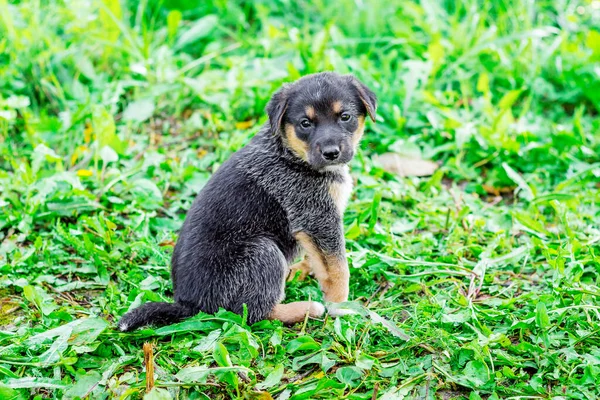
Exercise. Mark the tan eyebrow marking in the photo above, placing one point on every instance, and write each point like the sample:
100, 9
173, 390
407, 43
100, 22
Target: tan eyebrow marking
336, 106
310, 112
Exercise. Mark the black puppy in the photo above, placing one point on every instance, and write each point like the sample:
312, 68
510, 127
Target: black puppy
284, 192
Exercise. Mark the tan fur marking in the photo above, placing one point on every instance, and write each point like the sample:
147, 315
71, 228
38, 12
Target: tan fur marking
330, 270
358, 133
310, 112
336, 106
303, 267
291, 313
340, 193
298, 146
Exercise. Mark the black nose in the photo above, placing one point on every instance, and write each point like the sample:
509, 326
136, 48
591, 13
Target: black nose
330, 153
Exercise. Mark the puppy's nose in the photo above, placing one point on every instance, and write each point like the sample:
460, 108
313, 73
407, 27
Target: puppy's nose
331, 152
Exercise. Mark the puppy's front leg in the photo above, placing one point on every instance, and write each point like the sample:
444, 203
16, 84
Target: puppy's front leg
327, 257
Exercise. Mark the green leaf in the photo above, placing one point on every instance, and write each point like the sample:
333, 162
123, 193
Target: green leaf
9, 394
40, 299
302, 343
348, 375
321, 358
272, 379
221, 355
54, 353
374, 211
139, 111
476, 373
108, 155
158, 394
82, 331
192, 325
509, 99
194, 374
365, 361
41, 155
200, 29
110, 12
208, 343
531, 224
104, 126
173, 20
33, 383
483, 83
526, 190
541, 316
84, 385
592, 41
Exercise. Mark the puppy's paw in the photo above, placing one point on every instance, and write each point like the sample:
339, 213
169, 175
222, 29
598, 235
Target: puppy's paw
316, 309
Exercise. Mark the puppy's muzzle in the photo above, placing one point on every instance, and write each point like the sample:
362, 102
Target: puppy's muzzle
331, 152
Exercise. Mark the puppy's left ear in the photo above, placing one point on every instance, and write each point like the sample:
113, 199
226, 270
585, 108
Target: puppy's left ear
276, 109
366, 96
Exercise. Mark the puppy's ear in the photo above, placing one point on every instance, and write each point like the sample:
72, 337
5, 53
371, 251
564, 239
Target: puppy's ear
276, 109
366, 96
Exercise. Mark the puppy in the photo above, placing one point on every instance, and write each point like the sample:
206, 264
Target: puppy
284, 192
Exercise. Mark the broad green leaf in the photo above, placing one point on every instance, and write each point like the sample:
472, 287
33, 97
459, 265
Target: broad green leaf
321, 358
221, 355
483, 83
192, 325
302, 343
34, 382
173, 20
158, 394
54, 353
108, 155
9, 394
509, 99
139, 110
84, 385
40, 298
43, 154
476, 373
349, 375
110, 12
272, 379
199, 29
365, 361
82, 331
541, 316
104, 127
194, 374
208, 342
531, 224
526, 190
592, 41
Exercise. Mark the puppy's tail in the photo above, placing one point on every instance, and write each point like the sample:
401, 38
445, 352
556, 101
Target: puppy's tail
155, 314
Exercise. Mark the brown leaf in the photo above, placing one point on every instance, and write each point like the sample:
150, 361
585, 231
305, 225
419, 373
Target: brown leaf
149, 361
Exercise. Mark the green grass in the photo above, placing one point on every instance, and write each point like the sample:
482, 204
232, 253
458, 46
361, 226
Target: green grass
482, 280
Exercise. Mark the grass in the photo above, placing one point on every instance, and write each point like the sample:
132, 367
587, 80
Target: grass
479, 282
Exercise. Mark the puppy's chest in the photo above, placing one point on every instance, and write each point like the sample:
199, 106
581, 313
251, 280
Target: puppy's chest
340, 191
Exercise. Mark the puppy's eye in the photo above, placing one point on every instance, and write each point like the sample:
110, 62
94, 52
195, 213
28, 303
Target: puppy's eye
305, 123
345, 117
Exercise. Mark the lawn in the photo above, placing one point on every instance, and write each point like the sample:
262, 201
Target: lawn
478, 281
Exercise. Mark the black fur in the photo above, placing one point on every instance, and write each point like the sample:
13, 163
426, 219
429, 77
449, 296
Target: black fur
238, 237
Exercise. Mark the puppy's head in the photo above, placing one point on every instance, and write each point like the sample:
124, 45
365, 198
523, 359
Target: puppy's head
321, 117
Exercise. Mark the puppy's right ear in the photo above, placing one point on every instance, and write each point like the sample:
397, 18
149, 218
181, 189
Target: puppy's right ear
276, 109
